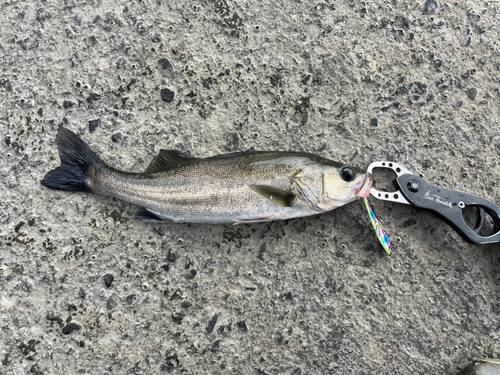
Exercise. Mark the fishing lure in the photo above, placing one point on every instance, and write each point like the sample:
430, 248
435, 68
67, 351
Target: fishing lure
379, 230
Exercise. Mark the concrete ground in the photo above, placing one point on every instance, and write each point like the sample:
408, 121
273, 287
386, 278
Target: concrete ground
86, 289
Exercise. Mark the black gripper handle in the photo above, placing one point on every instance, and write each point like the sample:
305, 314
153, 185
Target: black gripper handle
449, 204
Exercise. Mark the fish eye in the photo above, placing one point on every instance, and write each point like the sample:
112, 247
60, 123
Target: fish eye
346, 173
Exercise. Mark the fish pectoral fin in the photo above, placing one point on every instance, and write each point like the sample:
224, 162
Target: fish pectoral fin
278, 196
144, 214
167, 159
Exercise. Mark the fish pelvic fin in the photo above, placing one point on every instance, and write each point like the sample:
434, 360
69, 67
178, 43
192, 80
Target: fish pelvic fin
78, 164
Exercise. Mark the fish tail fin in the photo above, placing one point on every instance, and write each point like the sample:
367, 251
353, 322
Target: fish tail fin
77, 167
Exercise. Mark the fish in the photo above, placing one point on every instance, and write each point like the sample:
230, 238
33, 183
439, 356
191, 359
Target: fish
245, 187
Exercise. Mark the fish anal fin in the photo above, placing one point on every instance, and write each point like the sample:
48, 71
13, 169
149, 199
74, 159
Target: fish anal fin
166, 159
250, 221
278, 196
144, 214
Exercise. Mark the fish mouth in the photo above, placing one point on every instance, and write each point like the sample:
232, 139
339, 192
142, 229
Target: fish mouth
362, 189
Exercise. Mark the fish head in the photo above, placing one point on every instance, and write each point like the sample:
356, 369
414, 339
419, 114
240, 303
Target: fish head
332, 186
345, 185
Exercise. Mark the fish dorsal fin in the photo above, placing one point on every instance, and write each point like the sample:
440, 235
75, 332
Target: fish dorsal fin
278, 196
166, 159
